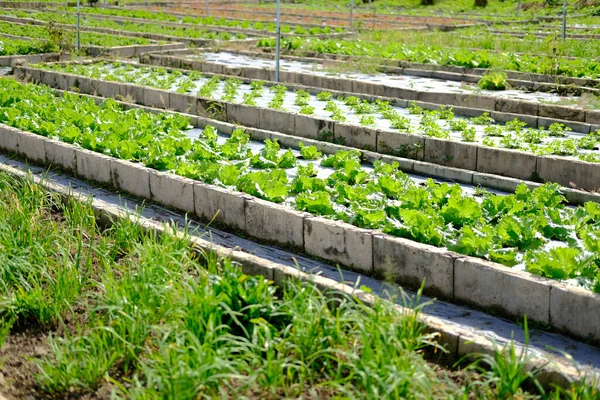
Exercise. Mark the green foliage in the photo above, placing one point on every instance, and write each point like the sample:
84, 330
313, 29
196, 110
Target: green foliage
493, 81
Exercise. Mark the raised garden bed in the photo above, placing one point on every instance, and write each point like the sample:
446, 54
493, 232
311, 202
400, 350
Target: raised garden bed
94, 44
447, 57
436, 143
451, 275
214, 24
200, 38
327, 74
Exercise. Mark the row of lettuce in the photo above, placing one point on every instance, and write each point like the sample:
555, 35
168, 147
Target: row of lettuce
426, 54
9, 47
207, 21
41, 34
134, 27
531, 229
555, 139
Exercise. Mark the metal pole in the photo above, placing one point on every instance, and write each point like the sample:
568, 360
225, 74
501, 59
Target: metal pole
77, 43
564, 25
518, 7
351, 14
277, 40
207, 8
104, 3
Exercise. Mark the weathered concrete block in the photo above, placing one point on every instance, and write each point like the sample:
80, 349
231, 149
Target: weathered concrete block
592, 117
562, 112
180, 102
450, 153
213, 109
9, 138
156, 98
310, 127
339, 242
277, 121
243, 115
437, 98
356, 136
259, 74
132, 93
308, 80
467, 112
502, 117
496, 182
439, 171
497, 288
400, 93
172, 190
62, 155
575, 311
474, 101
409, 263
49, 78
93, 166
340, 84
224, 205
516, 106
513, 163
131, 177
108, 89
404, 164
32, 146
400, 144
35, 75
84, 84
373, 89
570, 173
274, 222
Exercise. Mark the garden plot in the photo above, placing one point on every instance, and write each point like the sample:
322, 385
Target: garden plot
255, 28
412, 82
339, 73
33, 51
411, 131
381, 200
92, 43
362, 19
536, 63
148, 31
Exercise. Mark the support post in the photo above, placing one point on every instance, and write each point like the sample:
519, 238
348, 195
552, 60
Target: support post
207, 8
564, 21
351, 14
518, 7
277, 40
77, 42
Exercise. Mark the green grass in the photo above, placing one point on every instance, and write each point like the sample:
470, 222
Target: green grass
161, 321
147, 317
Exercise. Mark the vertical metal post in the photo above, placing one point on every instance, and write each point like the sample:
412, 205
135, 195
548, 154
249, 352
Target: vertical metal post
564, 22
77, 43
207, 8
277, 40
351, 14
518, 7
104, 3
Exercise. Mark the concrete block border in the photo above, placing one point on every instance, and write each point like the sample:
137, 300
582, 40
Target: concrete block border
449, 275
585, 176
9, 61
